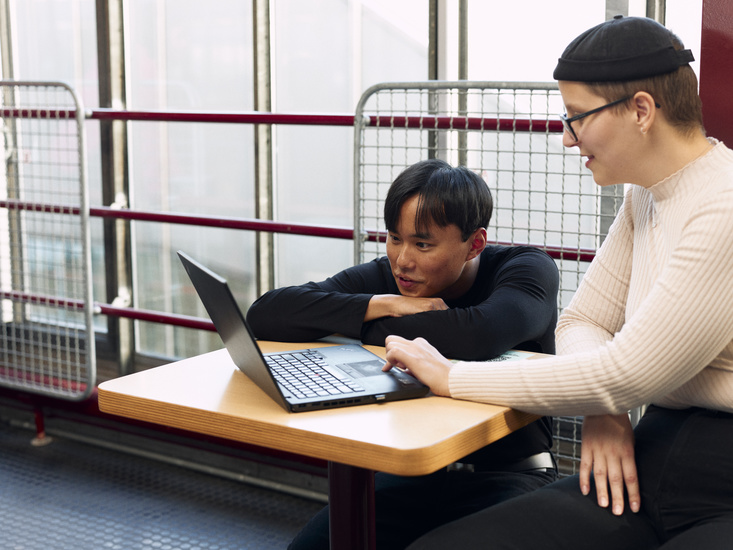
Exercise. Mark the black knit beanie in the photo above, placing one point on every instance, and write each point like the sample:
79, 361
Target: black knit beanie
622, 49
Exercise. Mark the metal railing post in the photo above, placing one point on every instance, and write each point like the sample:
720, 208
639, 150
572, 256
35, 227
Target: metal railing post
7, 49
115, 178
263, 145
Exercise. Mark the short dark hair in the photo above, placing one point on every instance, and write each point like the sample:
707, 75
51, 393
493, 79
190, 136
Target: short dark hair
447, 195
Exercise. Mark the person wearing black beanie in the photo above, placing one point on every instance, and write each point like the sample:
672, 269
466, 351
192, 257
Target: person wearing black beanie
650, 325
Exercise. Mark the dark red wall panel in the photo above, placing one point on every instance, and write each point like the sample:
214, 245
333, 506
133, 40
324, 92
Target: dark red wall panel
716, 69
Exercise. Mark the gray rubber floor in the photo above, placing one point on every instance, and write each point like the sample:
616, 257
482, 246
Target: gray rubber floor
72, 495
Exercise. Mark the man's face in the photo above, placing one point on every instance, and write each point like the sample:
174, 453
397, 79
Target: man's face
429, 264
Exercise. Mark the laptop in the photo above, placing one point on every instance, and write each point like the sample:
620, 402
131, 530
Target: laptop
305, 379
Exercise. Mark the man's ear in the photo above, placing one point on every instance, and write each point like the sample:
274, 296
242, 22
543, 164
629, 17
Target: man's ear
478, 243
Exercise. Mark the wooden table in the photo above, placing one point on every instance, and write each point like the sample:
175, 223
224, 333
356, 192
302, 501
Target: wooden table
209, 395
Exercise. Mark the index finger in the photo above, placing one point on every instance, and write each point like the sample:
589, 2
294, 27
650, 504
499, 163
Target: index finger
586, 467
390, 344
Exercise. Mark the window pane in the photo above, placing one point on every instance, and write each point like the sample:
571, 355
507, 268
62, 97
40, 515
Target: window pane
504, 44
183, 57
327, 53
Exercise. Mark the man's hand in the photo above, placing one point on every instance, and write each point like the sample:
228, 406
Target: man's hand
396, 305
421, 360
608, 450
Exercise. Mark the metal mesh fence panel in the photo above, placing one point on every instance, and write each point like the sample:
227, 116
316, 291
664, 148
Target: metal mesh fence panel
45, 260
510, 134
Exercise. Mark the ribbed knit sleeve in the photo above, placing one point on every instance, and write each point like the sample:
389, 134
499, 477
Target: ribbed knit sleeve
652, 321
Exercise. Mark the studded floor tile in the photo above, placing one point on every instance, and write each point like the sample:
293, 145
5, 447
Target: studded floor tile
71, 495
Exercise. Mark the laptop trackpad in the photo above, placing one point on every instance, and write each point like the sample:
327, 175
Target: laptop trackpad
363, 369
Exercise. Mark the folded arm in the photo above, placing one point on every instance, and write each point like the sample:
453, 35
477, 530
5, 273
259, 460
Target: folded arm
518, 306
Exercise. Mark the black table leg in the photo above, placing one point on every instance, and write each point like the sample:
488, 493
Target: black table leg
351, 507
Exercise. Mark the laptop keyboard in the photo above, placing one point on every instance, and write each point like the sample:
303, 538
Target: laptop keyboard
306, 375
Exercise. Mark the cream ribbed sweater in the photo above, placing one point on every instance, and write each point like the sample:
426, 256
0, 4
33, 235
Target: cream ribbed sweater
652, 320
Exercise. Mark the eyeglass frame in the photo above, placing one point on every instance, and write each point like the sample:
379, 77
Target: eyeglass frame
566, 122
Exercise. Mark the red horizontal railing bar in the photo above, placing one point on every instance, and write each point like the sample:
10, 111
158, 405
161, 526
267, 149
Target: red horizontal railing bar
427, 122
37, 299
38, 113
18, 375
556, 252
243, 117
224, 222
176, 319
14, 204
560, 252
467, 123
254, 117
187, 321
576, 254
186, 219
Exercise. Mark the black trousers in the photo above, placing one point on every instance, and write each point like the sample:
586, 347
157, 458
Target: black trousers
408, 507
684, 460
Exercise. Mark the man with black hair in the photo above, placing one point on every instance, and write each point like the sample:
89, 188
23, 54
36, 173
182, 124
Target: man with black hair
439, 281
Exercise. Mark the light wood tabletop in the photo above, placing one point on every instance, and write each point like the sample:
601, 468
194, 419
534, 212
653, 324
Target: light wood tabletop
209, 395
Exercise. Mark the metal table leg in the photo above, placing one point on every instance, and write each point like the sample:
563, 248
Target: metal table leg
351, 507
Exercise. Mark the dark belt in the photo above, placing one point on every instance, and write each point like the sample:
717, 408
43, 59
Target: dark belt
541, 461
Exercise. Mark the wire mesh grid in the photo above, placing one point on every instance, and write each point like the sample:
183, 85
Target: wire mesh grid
45, 259
510, 134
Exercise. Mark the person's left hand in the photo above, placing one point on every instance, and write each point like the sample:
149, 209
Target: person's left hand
607, 448
421, 360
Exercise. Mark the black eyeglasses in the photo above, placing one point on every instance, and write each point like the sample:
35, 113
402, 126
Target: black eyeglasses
566, 122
